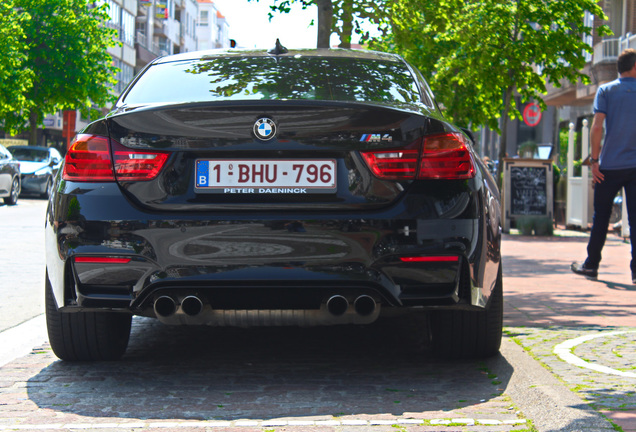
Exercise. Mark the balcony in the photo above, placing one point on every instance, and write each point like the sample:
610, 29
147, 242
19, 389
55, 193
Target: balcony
146, 52
606, 51
628, 41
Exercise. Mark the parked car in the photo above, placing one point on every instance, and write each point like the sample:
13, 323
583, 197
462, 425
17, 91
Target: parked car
300, 187
9, 177
39, 166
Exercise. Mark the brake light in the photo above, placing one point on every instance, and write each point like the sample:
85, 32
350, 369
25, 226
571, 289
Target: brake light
446, 156
136, 165
393, 164
441, 156
89, 159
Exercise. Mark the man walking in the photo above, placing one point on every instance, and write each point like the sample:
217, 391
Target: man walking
613, 164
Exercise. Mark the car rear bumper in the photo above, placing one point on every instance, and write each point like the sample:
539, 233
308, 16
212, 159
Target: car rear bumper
261, 266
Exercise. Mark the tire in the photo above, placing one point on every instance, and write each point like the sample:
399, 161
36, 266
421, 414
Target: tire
47, 189
12, 199
85, 336
470, 334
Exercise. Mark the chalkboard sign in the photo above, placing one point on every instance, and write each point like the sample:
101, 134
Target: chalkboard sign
527, 189
528, 192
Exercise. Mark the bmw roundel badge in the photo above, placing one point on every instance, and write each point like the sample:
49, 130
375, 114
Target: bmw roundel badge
265, 128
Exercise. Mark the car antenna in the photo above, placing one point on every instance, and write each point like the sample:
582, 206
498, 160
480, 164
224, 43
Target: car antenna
278, 48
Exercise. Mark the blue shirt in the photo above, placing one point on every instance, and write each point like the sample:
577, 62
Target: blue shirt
617, 100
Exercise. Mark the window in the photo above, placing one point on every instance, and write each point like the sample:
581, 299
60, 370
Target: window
614, 11
114, 12
124, 76
588, 21
203, 18
127, 28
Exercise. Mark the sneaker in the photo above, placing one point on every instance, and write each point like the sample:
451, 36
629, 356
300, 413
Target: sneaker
634, 278
591, 274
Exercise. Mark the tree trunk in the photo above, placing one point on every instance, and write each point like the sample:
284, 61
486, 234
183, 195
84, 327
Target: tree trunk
503, 142
33, 128
325, 19
347, 24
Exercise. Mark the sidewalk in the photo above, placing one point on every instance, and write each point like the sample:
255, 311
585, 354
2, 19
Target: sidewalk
583, 331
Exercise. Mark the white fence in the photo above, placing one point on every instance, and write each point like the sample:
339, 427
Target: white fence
579, 206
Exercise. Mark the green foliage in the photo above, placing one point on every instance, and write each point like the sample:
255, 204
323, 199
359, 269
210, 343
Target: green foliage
527, 147
15, 78
563, 147
348, 16
476, 53
563, 154
535, 225
556, 176
63, 54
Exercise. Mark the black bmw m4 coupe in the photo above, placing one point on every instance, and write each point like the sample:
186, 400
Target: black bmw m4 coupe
269, 188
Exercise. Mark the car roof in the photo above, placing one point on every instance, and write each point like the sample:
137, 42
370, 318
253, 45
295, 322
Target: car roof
320, 52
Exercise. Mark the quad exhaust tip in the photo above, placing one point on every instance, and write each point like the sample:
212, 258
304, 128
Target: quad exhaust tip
165, 306
364, 305
337, 305
191, 305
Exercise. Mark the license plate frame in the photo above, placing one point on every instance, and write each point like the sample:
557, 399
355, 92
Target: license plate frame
266, 176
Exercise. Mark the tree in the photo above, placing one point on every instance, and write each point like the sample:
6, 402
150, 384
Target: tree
15, 78
343, 17
479, 55
65, 49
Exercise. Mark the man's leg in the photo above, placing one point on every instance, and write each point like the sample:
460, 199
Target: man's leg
630, 201
604, 194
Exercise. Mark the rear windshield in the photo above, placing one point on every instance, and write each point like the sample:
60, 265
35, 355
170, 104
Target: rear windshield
29, 155
271, 78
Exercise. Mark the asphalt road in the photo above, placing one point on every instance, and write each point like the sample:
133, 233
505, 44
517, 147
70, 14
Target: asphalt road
21, 261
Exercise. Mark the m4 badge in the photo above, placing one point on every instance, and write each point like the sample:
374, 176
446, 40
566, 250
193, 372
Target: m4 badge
376, 138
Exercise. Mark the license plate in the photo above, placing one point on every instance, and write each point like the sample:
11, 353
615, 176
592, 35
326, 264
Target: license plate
282, 176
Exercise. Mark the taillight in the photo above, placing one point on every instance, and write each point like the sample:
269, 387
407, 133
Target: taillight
393, 164
442, 156
446, 156
137, 165
89, 159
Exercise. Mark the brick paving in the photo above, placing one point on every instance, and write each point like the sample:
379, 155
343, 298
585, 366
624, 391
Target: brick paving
357, 379
176, 378
547, 305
